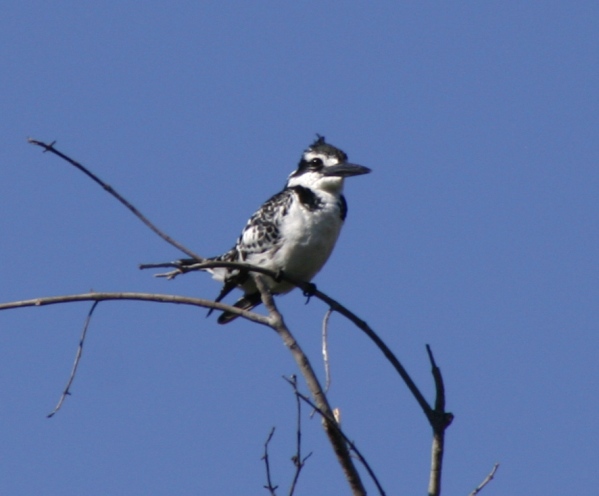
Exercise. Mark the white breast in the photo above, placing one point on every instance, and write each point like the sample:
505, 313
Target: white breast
308, 238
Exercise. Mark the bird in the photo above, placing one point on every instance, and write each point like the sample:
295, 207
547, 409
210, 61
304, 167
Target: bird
293, 232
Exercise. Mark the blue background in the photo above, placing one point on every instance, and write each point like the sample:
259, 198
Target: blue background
475, 233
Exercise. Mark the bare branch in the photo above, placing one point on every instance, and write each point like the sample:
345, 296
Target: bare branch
437, 417
274, 321
330, 426
438, 378
487, 479
437, 451
325, 349
297, 459
271, 489
309, 288
50, 148
350, 443
67, 389
159, 298
439, 420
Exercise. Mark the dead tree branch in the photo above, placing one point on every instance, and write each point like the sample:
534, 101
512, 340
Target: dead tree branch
325, 349
306, 287
349, 442
310, 289
158, 298
439, 420
297, 459
330, 425
98, 297
271, 489
67, 389
437, 417
486, 480
49, 147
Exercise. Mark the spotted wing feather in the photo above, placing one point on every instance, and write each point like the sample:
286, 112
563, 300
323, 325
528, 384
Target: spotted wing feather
262, 232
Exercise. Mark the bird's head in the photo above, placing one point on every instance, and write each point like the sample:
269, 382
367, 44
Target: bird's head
323, 167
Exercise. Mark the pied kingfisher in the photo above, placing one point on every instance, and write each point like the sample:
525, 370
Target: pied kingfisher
294, 232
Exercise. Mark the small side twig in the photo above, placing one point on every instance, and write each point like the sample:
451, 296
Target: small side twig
325, 349
338, 429
334, 306
297, 459
439, 420
271, 489
438, 378
339, 445
486, 480
49, 147
305, 286
67, 389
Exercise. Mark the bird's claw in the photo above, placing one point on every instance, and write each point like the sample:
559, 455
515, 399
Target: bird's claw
309, 291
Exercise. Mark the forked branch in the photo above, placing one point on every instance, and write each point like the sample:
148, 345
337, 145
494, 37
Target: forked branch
269, 485
439, 420
320, 399
349, 442
437, 417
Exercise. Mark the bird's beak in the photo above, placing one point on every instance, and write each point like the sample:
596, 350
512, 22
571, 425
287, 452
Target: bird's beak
345, 169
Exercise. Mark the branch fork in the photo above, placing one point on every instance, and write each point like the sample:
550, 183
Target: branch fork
436, 415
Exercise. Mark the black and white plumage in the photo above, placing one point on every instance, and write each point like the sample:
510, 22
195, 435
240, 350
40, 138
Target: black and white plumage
295, 231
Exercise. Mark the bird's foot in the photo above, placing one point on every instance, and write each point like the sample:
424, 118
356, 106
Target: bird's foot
309, 291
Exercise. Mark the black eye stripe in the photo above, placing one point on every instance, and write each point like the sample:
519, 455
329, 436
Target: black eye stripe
305, 165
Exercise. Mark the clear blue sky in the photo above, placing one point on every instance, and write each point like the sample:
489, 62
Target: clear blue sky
477, 232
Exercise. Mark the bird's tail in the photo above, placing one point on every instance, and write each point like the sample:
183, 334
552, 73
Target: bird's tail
246, 302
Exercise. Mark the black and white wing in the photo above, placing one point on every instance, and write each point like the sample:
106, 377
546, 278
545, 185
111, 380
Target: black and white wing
260, 236
262, 233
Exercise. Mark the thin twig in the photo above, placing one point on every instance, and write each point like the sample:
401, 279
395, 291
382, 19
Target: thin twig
439, 420
349, 442
159, 298
325, 349
67, 389
337, 442
49, 147
487, 479
307, 287
437, 417
333, 304
439, 385
271, 489
297, 459
274, 320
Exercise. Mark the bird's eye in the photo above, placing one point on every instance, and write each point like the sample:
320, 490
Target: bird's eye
316, 162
